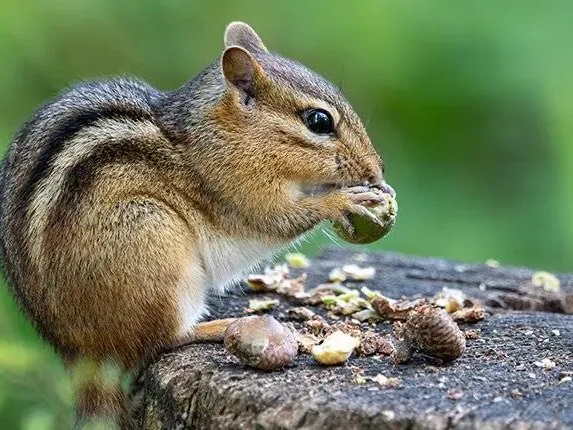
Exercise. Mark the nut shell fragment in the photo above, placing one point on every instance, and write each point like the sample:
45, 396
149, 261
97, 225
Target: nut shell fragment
335, 349
469, 315
256, 305
393, 309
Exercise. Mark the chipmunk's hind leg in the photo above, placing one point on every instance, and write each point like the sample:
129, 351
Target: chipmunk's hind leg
208, 331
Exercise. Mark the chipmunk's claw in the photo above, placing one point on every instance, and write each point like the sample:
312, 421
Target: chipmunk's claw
363, 211
364, 194
347, 225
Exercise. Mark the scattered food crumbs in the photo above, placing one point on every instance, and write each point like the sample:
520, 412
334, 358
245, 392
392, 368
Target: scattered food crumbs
452, 299
346, 303
269, 280
262, 305
277, 280
565, 379
385, 381
454, 394
556, 332
261, 342
357, 273
401, 352
301, 313
346, 326
260, 282
548, 281
349, 295
292, 287
369, 294
469, 315
341, 289
315, 295
337, 275
453, 306
546, 363
393, 309
306, 342
318, 326
349, 328
335, 349
374, 343
297, 260
472, 334
491, 263
366, 315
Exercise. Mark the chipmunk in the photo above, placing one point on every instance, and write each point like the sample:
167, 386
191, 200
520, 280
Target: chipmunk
122, 207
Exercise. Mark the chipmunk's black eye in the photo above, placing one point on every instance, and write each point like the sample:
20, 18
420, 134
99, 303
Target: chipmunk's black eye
318, 121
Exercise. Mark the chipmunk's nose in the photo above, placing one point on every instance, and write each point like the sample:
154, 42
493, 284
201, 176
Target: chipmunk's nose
382, 186
387, 189
376, 179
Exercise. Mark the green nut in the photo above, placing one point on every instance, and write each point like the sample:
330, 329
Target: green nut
365, 229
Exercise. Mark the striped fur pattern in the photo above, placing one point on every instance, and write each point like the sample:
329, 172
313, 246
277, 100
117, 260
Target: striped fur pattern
121, 206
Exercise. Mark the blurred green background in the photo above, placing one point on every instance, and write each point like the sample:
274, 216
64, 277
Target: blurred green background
470, 103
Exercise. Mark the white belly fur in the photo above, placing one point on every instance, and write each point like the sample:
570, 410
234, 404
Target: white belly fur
224, 262
191, 298
227, 261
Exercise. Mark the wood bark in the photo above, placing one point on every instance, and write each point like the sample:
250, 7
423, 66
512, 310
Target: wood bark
497, 384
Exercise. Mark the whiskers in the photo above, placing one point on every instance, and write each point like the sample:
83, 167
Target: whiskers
332, 237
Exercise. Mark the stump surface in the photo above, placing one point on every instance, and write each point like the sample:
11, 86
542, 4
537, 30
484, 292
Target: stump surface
496, 384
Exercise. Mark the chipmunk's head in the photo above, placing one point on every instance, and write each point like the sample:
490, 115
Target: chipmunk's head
275, 107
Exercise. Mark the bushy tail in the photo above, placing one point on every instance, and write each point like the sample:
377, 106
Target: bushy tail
100, 397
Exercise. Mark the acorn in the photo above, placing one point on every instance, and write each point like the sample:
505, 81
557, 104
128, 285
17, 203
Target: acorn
261, 342
366, 230
432, 331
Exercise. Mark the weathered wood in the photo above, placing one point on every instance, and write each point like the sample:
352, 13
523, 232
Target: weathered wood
494, 385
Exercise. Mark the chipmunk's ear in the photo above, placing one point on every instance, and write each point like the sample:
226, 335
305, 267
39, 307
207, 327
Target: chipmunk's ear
241, 34
241, 69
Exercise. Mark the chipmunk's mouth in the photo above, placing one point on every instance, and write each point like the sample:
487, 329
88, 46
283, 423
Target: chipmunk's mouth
313, 190
321, 189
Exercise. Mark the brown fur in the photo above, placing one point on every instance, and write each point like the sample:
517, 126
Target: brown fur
118, 199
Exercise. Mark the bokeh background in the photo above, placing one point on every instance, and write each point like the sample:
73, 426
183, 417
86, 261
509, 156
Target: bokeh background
470, 103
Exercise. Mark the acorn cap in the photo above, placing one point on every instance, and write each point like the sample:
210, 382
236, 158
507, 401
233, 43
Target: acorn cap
433, 331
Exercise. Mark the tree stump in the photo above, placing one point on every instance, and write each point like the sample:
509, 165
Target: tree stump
497, 384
